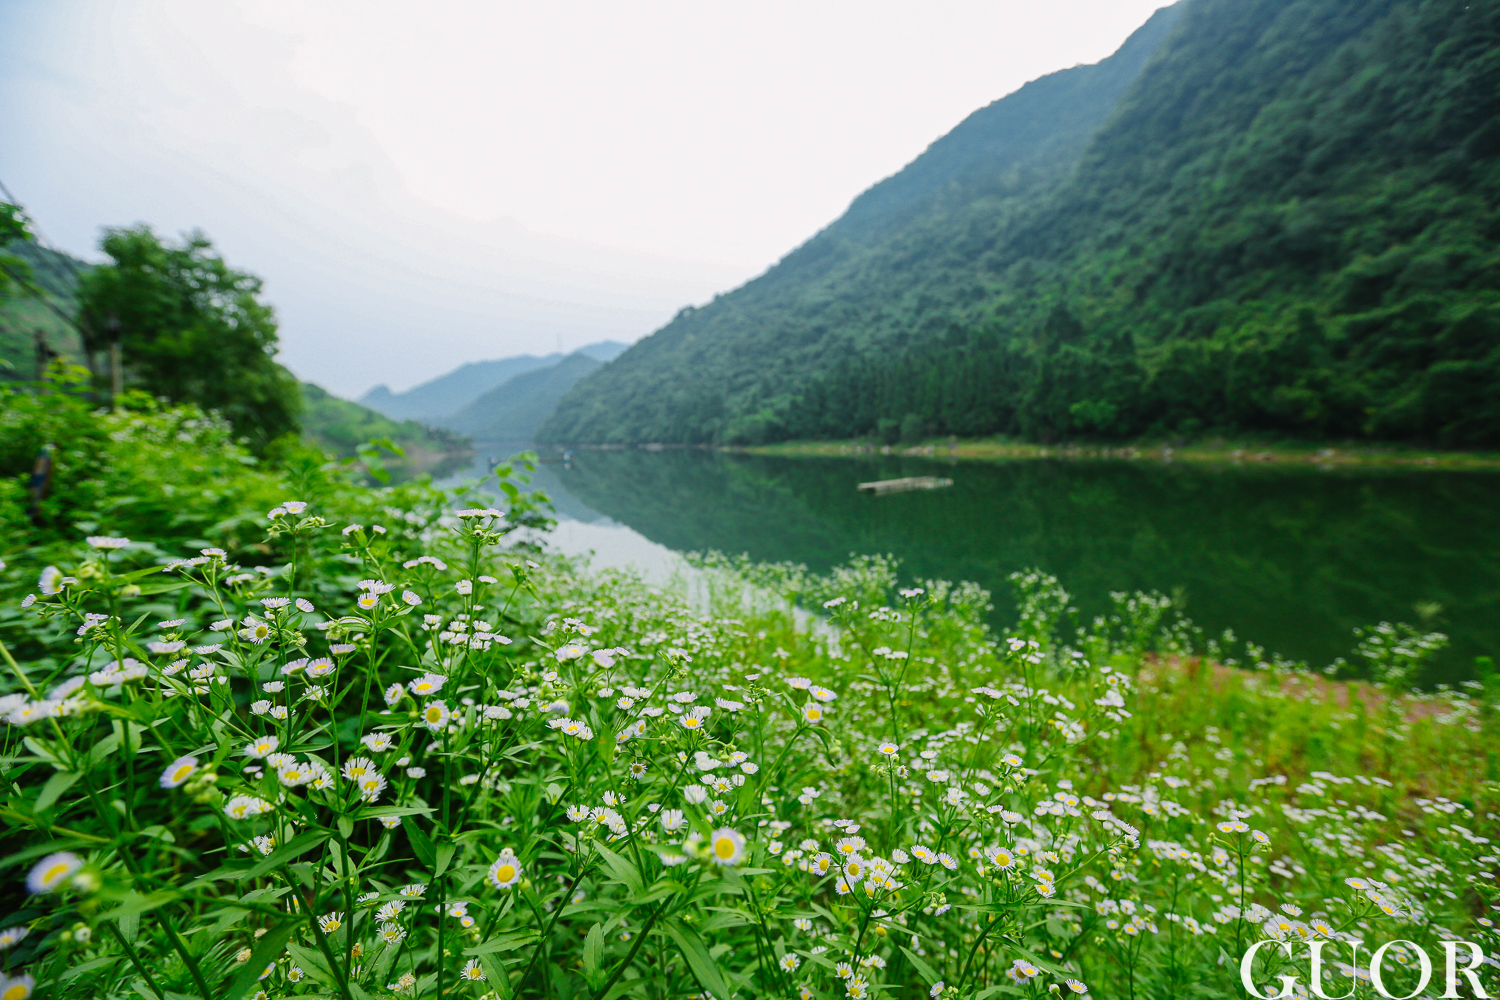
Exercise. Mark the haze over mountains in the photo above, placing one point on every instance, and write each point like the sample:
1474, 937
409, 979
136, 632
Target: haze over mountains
501, 400
447, 394
1262, 215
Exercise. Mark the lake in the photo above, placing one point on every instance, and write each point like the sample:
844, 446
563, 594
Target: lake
1292, 558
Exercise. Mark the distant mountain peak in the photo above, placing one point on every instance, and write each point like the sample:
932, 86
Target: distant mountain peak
435, 400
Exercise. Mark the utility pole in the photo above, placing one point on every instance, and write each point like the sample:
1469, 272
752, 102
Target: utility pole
116, 368
43, 355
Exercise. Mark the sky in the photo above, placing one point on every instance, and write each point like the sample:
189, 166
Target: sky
422, 185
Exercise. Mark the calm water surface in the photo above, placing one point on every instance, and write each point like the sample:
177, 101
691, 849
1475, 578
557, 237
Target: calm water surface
1291, 558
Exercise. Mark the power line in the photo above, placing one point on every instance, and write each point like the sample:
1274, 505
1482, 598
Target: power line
42, 297
45, 243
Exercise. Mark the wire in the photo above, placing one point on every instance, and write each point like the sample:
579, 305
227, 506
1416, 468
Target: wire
42, 297
45, 243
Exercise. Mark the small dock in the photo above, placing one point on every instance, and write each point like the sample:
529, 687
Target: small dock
883, 486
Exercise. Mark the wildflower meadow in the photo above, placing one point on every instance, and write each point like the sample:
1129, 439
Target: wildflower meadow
387, 745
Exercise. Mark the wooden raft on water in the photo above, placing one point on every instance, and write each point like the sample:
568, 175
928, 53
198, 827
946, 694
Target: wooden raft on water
884, 486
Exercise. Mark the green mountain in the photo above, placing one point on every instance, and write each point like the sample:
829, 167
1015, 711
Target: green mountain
53, 276
447, 394
1265, 215
340, 427
512, 412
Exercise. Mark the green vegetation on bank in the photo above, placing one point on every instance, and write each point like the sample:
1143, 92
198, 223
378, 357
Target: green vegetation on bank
345, 430
362, 743
1290, 557
1274, 216
191, 331
1201, 449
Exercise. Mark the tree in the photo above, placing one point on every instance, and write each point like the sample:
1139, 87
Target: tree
12, 228
192, 330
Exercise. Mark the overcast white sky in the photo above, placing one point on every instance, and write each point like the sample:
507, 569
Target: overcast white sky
424, 184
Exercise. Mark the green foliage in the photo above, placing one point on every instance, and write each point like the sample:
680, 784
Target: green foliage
374, 742
43, 301
1320, 563
193, 330
1286, 221
13, 229
164, 473
346, 430
477, 769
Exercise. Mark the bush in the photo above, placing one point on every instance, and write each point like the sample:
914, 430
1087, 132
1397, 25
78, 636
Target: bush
402, 755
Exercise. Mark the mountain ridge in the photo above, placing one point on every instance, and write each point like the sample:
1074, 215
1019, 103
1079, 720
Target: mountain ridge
1288, 221
512, 410
445, 395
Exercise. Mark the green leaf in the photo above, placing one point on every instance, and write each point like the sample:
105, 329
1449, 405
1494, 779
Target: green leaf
41, 751
77, 970
134, 904
661, 889
376, 812
297, 845
496, 976
312, 962
60, 782
421, 845
506, 942
705, 970
620, 870
163, 588
593, 955
130, 926
444, 854
346, 827
103, 748
271, 944
923, 969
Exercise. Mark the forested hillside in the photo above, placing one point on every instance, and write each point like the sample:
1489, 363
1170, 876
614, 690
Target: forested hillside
1266, 215
48, 292
36, 293
446, 395
512, 411
341, 427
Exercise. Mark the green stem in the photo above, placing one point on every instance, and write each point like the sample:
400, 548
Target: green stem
625, 962
135, 959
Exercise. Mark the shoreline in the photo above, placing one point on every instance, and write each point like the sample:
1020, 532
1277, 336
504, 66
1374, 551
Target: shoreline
1214, 451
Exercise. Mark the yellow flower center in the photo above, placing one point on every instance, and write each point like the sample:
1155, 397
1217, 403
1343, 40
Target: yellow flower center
690, 723
54, 873
505, 873
182, 772
724, 848
19, 991
814, 714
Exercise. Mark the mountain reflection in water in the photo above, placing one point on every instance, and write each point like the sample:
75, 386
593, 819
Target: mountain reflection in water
1290, 558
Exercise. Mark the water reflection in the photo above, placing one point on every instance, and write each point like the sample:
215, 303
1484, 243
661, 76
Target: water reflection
1293, 558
